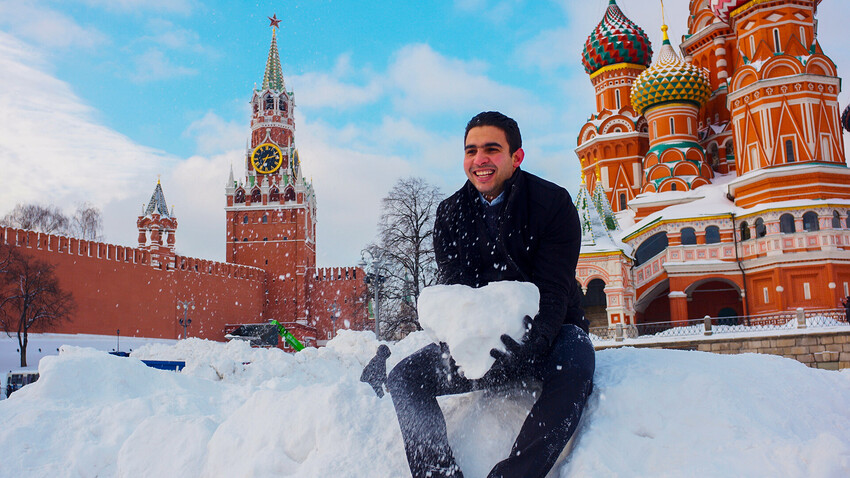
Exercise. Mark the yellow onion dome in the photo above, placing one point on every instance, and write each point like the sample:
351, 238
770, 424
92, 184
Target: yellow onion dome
670, 80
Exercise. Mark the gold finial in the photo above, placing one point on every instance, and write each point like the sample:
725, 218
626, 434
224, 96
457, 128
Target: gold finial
158, 178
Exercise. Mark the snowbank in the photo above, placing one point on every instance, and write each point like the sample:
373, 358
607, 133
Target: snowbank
237, 411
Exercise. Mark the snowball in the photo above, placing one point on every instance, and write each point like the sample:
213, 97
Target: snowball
471, 321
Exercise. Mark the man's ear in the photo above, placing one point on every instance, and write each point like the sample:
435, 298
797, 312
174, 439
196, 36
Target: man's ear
517, 157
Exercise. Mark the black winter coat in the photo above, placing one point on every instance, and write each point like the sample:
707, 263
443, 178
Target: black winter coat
538, 241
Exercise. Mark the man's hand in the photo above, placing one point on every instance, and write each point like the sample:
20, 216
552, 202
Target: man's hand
518, 357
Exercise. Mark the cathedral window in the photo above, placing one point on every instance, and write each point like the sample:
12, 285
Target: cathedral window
847, 221
745, 231
810, 221
623, 201
269, 102
803, 37
282, 101
256, 196
786, 224
761, 230
289, 194
688, 236
240, 196
672, 126
245, 219
265, 218
836, 220
825, 149
789, 151
777, 45
673, 186
730, 150
274, 195
617, 98
651, 248
712, 235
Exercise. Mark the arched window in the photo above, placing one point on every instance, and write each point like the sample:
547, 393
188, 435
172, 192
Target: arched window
617, 98
847, 221
240, 196
673, 186
761, 230
689, 236
786, 224
289, 194
282, 101
672, 126
810, 221
777, 45
836, 220
745, 231
650, 248
713, 156
256, 196
265, 218
269, 102
712, 235
274, 195
789, 151
730, 151
623, 204
245, 219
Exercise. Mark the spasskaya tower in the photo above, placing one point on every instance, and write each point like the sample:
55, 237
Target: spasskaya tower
271, 211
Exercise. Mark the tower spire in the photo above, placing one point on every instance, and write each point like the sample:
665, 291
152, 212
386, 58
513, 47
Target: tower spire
273, 78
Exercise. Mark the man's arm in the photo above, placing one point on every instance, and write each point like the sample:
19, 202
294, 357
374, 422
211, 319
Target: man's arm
446, 249
554, 268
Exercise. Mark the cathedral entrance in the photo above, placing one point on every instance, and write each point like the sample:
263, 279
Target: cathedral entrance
595, 304
715, 298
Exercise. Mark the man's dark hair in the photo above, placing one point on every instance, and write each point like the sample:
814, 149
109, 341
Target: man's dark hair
504, 123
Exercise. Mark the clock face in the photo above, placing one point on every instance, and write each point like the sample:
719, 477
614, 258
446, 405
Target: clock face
266, 158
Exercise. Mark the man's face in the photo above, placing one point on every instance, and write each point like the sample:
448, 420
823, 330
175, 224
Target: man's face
487, 160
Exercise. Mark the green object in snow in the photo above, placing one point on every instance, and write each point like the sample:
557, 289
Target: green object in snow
290, 339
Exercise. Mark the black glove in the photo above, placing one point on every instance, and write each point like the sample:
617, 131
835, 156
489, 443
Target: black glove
375, 372
519, 357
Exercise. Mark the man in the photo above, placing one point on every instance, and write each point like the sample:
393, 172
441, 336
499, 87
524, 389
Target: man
504, 224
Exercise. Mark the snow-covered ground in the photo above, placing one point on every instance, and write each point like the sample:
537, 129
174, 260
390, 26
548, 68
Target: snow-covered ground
43, 345
241, 412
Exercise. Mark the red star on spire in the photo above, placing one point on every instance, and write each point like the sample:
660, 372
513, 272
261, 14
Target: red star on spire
275, 23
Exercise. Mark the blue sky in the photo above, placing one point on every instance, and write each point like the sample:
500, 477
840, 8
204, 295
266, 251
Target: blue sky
113, 93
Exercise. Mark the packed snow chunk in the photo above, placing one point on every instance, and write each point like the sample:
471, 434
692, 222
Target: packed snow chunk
471, 321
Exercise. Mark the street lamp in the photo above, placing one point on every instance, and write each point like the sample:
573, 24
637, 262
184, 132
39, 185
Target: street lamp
334, 310
373, 269
185, 321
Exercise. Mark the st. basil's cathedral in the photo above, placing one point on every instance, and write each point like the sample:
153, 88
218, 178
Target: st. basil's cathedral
714, 180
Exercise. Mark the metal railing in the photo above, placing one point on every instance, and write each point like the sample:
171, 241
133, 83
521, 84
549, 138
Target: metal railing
795, 319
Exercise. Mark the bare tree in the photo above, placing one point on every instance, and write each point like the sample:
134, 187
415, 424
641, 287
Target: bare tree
405, 241
30, 298
87, 223
35, 217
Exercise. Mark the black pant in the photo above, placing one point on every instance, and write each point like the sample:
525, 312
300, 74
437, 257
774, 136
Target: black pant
566, 373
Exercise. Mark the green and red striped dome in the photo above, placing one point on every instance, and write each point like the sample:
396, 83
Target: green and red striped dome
616, 40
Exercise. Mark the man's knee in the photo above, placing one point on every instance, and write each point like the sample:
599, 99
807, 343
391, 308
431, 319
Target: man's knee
408, 375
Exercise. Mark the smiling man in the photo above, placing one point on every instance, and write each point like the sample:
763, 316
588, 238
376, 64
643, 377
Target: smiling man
504, 224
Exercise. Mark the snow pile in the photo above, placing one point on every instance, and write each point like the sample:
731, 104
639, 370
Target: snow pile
471, 321
652, 413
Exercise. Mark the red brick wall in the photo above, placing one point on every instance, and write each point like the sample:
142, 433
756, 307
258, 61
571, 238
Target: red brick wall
115, 287
346, 286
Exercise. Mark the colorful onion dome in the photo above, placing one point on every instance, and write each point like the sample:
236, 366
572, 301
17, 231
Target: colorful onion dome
616, 40
670, 79
845, 118
723, 8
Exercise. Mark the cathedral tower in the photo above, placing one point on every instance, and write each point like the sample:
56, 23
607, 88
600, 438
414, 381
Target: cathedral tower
783, 98
670, 94
614, 139
271, 211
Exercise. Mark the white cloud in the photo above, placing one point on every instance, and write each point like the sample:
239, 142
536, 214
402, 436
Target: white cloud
212, 134
425, 81
343, 87
48, 28
53, 151
153, 65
